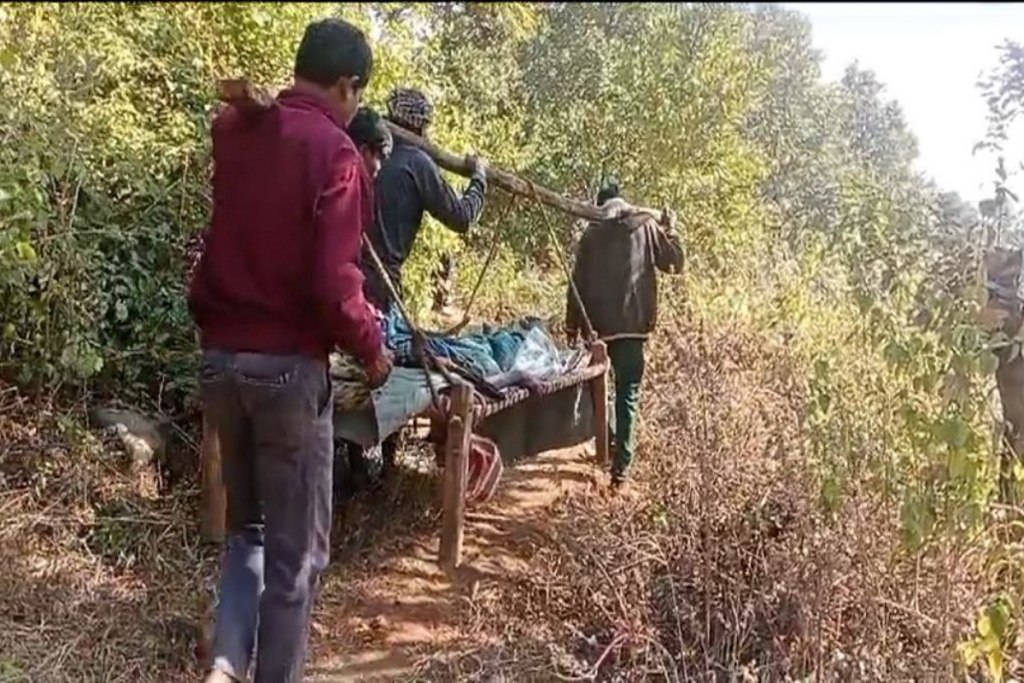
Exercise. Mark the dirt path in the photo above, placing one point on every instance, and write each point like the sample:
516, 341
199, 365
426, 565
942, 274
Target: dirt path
380, 612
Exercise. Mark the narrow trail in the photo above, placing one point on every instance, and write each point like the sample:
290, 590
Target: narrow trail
105, 580
380, 613
102, 582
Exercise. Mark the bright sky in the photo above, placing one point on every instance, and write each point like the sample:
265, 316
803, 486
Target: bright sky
930, 56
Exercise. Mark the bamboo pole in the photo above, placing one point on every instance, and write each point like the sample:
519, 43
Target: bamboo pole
507, 181
214, 495
514, 184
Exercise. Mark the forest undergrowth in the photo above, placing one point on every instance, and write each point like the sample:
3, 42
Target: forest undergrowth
817, 484
724, 565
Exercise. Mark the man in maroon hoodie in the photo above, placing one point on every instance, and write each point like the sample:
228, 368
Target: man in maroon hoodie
278, 286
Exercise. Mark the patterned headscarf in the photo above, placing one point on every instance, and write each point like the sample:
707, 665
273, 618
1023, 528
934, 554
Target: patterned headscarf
410, 108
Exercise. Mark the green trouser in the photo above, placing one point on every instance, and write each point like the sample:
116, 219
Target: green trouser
627, 360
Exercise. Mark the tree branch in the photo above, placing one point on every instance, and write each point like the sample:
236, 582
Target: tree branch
240, 93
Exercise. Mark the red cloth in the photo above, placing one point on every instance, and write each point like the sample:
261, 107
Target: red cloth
484, 465
280, 268
485, 468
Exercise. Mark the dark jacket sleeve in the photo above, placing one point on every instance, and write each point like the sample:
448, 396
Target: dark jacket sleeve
341, 211
668, 249
441, 201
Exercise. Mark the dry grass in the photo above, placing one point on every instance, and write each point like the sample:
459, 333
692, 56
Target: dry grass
105, 576
101, 578
720, 566
723, 567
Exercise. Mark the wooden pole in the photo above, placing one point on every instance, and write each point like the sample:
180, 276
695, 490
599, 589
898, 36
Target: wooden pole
239, 92
456, 464
499, 178
512, 183
214, 498
599, 392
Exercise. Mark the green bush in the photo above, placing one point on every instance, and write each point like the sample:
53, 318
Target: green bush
798, 200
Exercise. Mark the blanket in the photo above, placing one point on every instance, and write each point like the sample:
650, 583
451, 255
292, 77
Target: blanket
495, 360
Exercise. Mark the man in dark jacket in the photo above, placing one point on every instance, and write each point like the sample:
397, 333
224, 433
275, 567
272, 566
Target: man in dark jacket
370, 134
277, 287
615, 275
409, 184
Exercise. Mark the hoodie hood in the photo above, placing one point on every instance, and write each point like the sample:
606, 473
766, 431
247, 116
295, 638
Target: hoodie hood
626, 214
309, 101
253, 104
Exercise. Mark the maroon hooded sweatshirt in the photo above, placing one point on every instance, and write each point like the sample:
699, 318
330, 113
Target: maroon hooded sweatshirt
280, 269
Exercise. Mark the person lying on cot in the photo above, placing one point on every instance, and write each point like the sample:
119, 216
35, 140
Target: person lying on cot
277, 287
617, 260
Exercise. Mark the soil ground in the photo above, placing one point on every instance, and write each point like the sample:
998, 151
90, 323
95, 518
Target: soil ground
383, 610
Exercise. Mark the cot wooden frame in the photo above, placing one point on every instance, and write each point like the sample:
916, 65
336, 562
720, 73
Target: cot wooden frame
461, 412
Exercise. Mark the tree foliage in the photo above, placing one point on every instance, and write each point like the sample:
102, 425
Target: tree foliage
797, 197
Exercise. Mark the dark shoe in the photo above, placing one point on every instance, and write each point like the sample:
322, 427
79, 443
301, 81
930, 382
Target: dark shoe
388, 450
622, 488
350, 471
358, 471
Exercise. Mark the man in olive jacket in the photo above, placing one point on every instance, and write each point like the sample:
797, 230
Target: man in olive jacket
615, 275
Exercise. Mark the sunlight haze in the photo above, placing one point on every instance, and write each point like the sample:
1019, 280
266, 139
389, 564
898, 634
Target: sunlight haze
930, 57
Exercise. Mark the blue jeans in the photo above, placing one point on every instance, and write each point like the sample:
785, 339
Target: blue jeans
273, 417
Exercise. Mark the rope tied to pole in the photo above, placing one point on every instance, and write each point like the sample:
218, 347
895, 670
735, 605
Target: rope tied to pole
590, 333
419, 339
492, 252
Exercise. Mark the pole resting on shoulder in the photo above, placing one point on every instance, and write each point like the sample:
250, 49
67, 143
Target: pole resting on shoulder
241, 93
